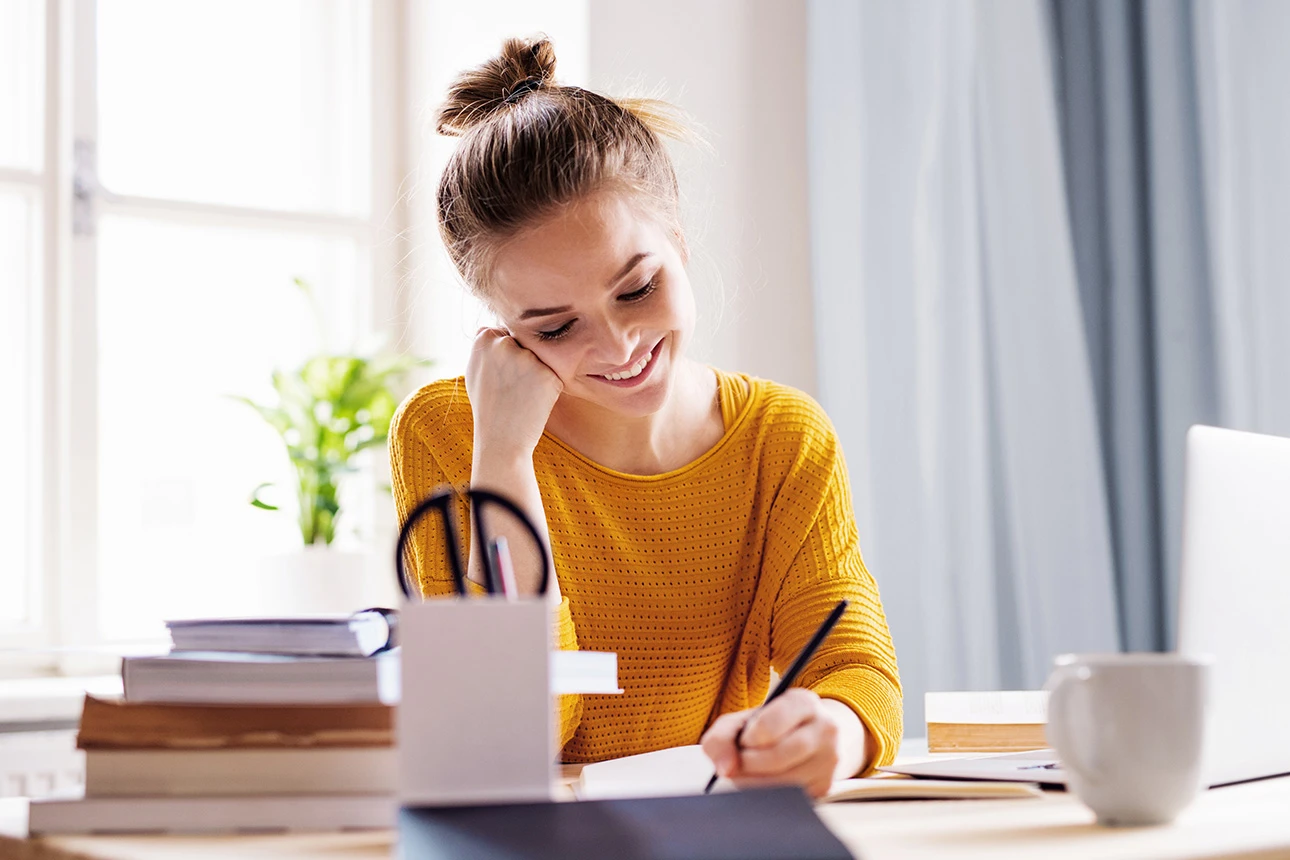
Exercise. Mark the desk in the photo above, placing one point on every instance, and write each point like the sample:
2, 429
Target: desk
1248, 822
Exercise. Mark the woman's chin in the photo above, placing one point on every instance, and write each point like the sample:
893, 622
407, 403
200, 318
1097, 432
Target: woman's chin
638, 402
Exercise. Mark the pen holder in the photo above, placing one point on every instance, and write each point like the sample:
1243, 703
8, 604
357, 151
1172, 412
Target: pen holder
476, 724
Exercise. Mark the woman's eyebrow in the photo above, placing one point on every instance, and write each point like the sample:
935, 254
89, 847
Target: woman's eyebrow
631, 264
545, 312
622, 273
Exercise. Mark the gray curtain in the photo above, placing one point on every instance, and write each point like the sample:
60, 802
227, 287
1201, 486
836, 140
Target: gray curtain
1129, 110
1175, 130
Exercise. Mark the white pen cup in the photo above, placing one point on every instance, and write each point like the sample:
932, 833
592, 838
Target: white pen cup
1129, 731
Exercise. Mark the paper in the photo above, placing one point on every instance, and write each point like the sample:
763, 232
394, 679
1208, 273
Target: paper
663, 773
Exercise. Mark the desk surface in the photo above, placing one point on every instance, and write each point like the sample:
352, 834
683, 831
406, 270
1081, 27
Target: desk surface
1250, 822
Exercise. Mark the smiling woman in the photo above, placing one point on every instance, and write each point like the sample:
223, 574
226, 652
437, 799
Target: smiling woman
700, 521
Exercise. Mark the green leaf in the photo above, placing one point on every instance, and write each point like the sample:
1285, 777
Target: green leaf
329, 410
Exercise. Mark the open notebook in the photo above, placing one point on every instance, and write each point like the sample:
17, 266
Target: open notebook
686, 770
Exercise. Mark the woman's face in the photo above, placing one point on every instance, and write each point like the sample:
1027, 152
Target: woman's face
599, 293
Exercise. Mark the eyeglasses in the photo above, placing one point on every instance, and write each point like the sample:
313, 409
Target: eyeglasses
442, 502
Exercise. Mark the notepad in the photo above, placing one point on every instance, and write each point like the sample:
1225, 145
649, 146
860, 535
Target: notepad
759, 824
685, 770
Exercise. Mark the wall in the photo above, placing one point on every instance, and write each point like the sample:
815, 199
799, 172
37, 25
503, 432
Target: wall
738, 68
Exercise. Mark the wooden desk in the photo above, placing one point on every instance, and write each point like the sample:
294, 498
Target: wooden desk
1248, 822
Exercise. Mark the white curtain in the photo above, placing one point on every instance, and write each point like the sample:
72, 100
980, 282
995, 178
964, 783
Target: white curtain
950, 347
1242, 66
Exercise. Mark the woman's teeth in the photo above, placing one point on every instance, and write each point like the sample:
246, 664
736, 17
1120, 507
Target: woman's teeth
633, 371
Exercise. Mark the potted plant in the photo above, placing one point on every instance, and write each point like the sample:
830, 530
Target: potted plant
328, 412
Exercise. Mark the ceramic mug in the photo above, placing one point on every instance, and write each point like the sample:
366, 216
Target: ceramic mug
1129, 731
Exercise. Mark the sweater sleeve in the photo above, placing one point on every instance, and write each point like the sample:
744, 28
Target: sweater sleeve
857, 662
415, 473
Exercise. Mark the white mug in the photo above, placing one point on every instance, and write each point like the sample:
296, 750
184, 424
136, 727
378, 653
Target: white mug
1128, 729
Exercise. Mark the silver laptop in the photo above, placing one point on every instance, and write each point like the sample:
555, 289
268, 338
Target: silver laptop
1234, 603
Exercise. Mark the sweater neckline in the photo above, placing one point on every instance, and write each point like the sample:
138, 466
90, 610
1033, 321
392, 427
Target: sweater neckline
731, 387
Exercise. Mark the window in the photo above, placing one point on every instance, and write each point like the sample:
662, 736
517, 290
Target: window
194, 276
166, 171
22, 190
210, 154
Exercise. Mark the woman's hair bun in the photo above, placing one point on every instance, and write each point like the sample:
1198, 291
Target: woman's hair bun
523, 66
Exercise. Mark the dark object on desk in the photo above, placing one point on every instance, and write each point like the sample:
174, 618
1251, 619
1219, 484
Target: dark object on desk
759, 824
794, 670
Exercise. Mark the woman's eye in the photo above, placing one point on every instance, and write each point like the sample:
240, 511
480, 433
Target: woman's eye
556, 333
637, 295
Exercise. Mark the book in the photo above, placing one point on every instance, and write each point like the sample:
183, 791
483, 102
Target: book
112, 723
238, 678
361, 634
219, 677
210, 814
685, 770
335, 770
986, 722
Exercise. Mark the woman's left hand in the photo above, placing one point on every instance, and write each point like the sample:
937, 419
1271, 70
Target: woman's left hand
798, 738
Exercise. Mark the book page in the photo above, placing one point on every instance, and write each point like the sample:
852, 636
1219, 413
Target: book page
669, 772
686, 770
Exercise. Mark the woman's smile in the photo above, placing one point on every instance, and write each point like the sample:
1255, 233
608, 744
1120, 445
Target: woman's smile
635, 373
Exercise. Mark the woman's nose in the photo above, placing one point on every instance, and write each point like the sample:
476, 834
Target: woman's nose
617, 343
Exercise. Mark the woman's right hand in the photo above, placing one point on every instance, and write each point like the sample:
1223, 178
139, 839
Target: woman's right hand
511, 393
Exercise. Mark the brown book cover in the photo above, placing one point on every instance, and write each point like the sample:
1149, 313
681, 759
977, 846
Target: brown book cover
985, 737
118, 724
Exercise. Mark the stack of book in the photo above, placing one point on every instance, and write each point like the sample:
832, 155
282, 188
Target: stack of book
986, 722
251, 724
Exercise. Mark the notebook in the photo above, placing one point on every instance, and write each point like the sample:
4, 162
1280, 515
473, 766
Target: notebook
760, 824
358, 635
686, 770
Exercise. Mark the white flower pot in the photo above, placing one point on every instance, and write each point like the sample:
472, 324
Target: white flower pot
319, 579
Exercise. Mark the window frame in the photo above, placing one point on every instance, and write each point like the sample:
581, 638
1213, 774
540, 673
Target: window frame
63, 636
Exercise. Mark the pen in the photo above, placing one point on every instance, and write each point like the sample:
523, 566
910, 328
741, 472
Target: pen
793, 671
505, 567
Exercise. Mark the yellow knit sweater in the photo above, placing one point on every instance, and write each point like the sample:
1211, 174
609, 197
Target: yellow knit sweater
701, 579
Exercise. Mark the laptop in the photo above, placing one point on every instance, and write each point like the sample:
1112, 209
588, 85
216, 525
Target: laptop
1234, 603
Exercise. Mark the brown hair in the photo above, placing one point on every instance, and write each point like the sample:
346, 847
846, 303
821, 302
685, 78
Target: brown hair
530, 145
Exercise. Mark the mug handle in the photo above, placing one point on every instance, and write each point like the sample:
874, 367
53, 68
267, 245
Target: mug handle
1066, 683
